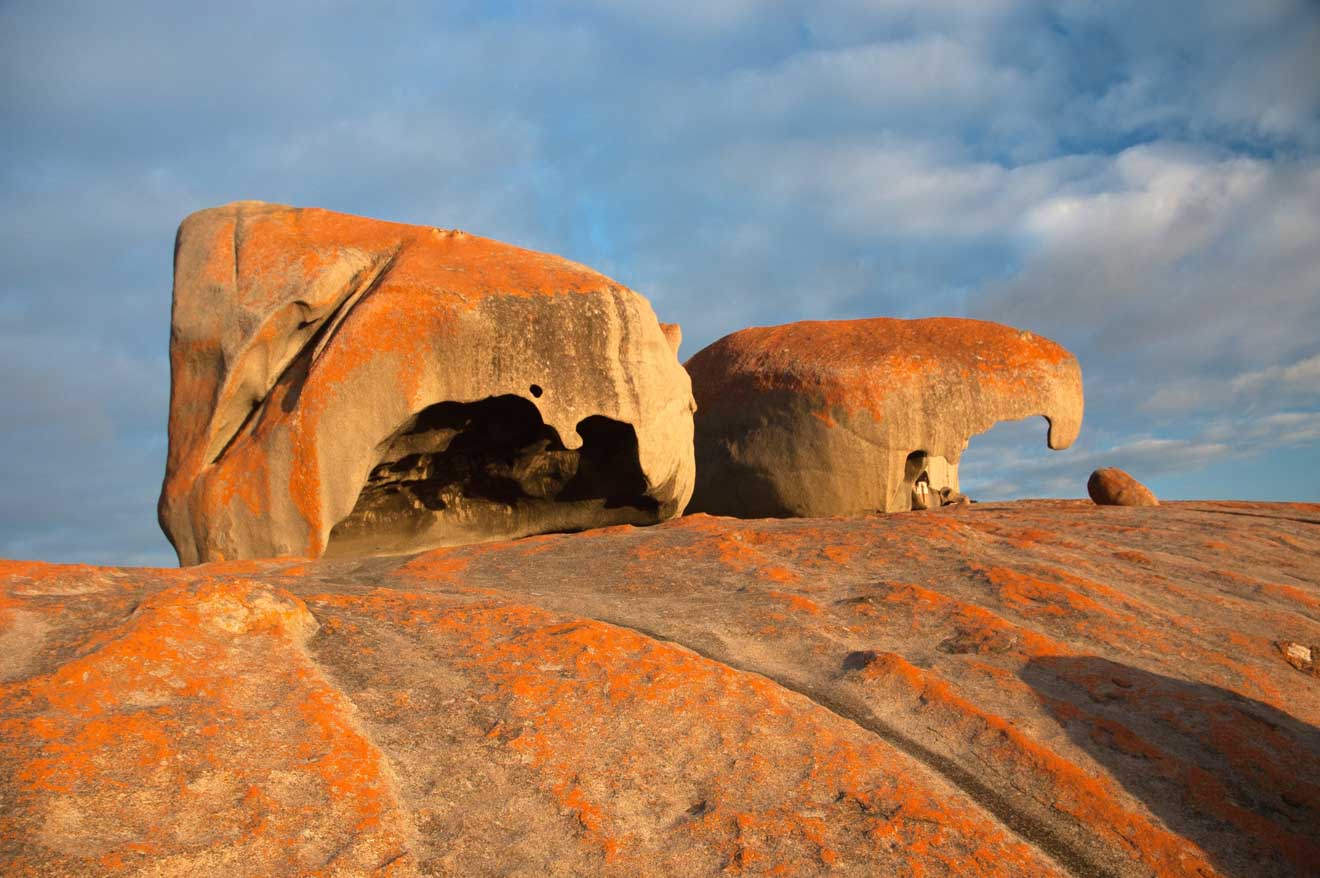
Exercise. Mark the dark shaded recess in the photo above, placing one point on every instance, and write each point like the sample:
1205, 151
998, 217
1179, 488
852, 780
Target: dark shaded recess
915, 468
728, 487
725, 485
608, 466
1267, 761
497, 451
914, 472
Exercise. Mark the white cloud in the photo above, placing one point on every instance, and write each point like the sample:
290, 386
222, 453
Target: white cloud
1171, 263
1278, 430
684, 16
908, 76
847, 21
1274, 386
889, 188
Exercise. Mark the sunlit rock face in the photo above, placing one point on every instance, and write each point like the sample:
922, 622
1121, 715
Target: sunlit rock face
1036, 689
853, 416
348, 386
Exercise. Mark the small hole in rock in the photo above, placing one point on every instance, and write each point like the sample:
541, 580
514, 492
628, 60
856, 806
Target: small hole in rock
536, 390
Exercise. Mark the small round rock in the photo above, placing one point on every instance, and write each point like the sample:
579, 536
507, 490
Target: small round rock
1110, 486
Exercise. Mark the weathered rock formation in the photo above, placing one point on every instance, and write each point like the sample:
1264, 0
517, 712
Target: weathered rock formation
1110, 486
347, 386
846, 417
673, 334
1026, 689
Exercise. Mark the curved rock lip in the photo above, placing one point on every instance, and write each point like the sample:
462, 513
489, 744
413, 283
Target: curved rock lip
846, 417
1039, 688
350, 386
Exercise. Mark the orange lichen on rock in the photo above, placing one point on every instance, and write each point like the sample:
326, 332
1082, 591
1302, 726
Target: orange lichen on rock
315, 355
196, 737
1109, 618
1236, 759
1057, 783
438, 566
845, 417
1040, 687
672, 763
842, 357
769, 555
968, 627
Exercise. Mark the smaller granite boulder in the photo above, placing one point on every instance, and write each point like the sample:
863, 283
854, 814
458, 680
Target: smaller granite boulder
850, 417
1110, 486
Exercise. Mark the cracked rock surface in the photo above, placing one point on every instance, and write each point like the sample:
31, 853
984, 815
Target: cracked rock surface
1032, 688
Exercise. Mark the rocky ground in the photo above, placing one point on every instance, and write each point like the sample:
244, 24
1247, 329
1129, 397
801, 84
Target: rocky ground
1035, 688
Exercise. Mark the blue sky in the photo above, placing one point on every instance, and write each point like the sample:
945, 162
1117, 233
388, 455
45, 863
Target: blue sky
1138, 181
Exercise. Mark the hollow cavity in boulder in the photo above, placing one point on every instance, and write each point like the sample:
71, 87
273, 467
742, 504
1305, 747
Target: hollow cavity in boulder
928, 482
465, 472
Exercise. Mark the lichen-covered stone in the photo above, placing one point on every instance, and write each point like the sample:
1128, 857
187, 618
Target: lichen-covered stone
352, 386
1042, 688
851, 416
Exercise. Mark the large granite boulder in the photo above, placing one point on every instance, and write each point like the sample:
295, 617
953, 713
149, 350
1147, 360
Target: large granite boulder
853, 416
348, 386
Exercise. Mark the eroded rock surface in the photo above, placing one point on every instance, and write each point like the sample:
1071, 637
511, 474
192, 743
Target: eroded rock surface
1110, 486
844, 417
347, 386
1036, 688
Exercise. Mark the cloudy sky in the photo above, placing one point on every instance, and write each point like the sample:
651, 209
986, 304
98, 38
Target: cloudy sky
1138, 181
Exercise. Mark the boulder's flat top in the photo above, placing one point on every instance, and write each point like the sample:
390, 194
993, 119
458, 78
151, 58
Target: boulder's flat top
1035, 688
871, 358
